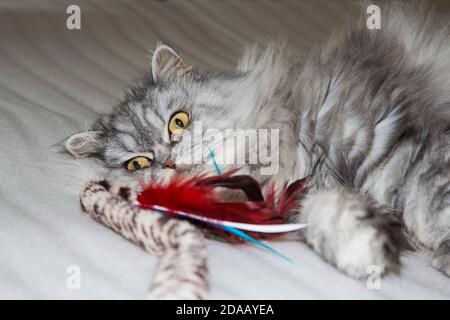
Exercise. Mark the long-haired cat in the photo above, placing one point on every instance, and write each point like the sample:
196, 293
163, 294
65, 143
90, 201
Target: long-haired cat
366, 117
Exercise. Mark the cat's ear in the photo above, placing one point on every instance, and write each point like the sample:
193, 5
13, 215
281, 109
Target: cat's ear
167, 64
84, 144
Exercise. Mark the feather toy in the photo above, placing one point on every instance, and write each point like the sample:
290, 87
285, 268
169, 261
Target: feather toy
196, 198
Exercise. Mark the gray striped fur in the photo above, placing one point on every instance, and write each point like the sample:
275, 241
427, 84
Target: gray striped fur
366, 116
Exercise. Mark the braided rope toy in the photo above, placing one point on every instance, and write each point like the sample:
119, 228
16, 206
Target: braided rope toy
182, 269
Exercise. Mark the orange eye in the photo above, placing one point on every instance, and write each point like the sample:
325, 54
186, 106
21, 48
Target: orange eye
178, 121
138, 163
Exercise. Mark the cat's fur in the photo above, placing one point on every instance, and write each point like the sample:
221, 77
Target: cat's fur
366, 117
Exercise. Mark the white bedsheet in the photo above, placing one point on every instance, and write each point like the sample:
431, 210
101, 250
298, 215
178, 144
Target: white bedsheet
53, 81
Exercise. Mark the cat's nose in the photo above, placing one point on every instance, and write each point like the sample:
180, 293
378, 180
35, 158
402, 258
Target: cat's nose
169, 164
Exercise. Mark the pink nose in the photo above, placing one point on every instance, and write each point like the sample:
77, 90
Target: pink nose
169, 164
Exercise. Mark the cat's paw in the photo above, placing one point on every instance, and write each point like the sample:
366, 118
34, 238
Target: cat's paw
369, 243
441, 258
349, 232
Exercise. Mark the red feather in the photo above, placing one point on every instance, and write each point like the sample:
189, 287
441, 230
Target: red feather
197, 196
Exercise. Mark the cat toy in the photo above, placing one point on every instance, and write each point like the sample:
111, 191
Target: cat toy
195, 199
151, 219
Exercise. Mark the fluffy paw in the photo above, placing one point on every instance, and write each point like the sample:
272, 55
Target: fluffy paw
441, 259
369, 244
349, 232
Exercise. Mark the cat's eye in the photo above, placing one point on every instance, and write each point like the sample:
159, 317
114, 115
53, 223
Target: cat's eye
178, 121
138, 163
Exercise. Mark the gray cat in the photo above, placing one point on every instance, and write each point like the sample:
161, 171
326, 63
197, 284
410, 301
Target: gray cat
366, 117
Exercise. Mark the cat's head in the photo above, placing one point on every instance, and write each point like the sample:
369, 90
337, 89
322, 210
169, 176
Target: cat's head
174, 116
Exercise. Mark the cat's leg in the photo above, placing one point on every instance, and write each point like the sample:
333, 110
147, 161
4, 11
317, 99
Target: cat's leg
349, 231
441, 257
426, 210
433, 235
427, 217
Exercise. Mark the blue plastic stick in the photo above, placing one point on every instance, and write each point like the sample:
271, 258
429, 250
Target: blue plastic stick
245, 236
213, 158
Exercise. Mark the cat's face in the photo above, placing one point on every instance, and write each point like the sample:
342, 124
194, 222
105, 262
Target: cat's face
165, 124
